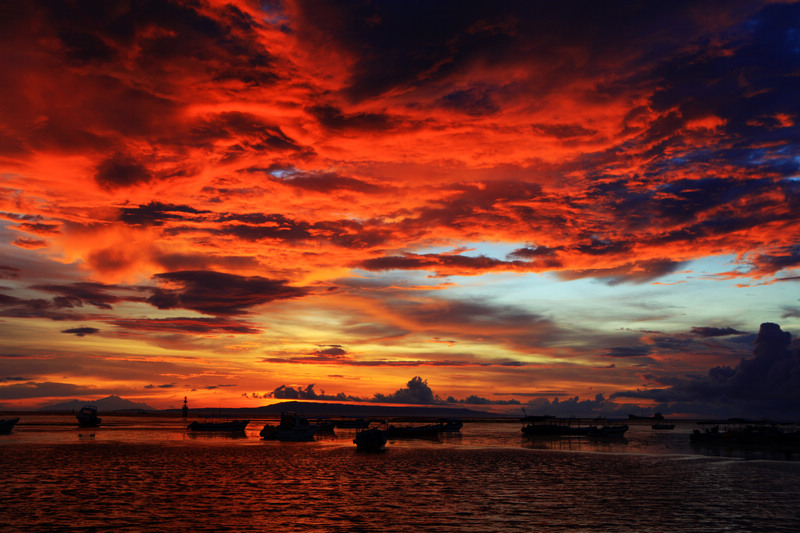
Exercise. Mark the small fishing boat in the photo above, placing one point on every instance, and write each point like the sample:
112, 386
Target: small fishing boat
739, 432
608, 431
548, 425
7, 424
230, 425
87, 417
353, 423
324, 424
451, 425
663, 425
371, 440
292, 428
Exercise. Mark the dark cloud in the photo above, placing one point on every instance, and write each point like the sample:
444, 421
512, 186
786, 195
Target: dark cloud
31, 389
156, 213
244, 132
451, 37
290, 393
636, 272
563, 131
715, 332
30, 244
443, 264
416, 391
574, 406
628, 351
76, 294
9, 272
83, 331
218, 293
475, 101
477, 400
328, 182
121, 171
766, 385
333, 118
188, 326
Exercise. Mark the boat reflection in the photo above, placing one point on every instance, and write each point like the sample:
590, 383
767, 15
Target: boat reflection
574, 443
215, 435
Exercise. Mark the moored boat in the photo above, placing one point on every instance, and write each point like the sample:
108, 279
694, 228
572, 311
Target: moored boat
547, 425
7, 424
353, 423
291, 428
663, 425
608, 431
371, 440
740, 432
451, 425
324, 424
229, 425
87, 416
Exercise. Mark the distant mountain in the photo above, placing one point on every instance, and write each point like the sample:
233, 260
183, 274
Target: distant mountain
343, 410
111, 403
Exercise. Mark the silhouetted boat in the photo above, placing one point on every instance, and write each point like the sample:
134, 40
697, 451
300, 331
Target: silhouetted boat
7, 424
323, 424
354, 423
740, 432
230, 425
291, 428
87, 416
663, 425
451, 425
547, 425
656, 416
608, 431
371, 440
427, 430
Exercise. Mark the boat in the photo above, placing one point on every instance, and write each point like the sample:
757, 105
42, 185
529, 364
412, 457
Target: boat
353, 423
451, 425
371, 440
738, 432
323, 424
548, 425
656, 416
7, 424
230, 425
608, 431
663, 425
87, 416
425, 431
291, 428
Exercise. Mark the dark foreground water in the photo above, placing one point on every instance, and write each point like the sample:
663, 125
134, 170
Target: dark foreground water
149, 475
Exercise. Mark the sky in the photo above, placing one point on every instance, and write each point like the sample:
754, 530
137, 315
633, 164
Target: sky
569, 208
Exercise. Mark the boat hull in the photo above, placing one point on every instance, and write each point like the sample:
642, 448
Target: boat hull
7, 424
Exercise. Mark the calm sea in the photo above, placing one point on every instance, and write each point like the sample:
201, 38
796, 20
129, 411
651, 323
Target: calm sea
149, 474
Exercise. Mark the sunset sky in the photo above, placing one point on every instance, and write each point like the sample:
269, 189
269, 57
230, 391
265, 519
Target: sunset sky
558, 206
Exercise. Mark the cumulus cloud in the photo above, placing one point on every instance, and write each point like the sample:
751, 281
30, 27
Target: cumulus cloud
766, 385
416, 391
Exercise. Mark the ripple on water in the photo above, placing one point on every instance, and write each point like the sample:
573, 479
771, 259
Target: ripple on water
134, 487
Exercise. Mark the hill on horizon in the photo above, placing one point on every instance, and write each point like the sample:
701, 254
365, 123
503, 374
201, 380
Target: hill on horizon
110, 403
324, 409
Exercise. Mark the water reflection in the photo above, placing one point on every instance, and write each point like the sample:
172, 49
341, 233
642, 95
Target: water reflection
216, 435
580, 444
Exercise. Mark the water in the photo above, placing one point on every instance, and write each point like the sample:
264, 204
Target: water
149, 474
